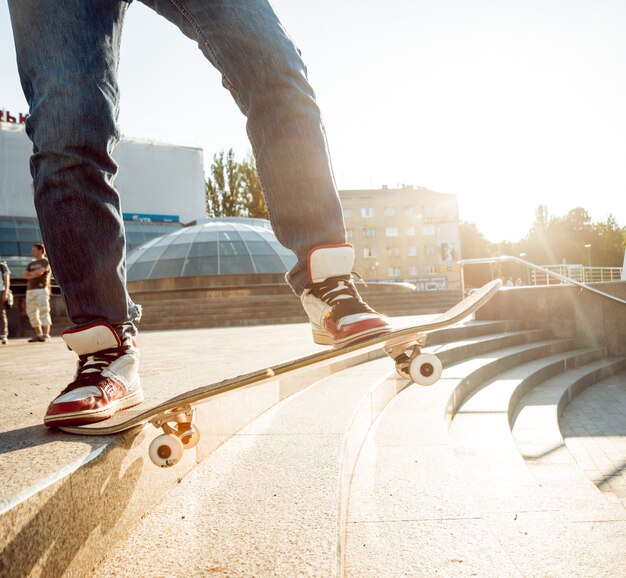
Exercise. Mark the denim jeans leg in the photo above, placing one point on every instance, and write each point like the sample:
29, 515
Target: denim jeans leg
262, 68
67, 53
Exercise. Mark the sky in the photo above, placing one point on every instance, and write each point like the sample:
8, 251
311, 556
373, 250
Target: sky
507, 104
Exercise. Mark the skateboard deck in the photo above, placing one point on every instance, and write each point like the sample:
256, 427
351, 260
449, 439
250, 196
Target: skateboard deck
175, 416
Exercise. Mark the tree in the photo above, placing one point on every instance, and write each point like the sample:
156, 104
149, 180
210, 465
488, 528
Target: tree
565, 239
550, 241
223, 187
256, 206
608, 243
234, 189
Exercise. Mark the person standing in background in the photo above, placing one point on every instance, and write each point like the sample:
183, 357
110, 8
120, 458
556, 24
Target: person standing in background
38, 294
5, 285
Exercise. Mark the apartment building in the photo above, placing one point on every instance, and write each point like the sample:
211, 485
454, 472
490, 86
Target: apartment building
405, 234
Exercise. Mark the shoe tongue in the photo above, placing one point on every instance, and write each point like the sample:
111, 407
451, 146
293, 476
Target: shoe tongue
87, 340
326, 262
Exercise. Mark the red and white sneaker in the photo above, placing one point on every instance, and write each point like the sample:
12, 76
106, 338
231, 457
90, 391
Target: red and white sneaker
338, 315
106, 381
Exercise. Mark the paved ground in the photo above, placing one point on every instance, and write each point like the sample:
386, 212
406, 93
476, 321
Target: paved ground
594, 428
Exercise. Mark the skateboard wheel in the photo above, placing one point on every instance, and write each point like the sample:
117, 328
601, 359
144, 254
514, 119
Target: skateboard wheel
425, 369
190, 437
166, 450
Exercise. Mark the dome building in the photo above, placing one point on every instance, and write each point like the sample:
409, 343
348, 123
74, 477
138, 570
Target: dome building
219, 246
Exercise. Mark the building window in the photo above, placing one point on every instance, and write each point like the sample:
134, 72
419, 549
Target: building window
413, 271
412, 251
429, 230
369, 232
409, 210
391, 232
393, 251
431, 269
367, 213
410, 232
390, 211
349, 233
347, 213
369, 252
430, 250
393, 272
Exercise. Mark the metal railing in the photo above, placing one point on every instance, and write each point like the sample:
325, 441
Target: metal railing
579, 273
536, 270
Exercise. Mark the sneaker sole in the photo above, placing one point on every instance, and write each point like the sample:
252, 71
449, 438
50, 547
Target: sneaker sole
94, 416
322, 338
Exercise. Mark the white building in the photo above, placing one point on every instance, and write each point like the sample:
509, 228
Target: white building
153, 178
160, 187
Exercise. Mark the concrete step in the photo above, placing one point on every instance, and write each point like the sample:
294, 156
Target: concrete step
229, 316
239, 305
594, 429
540, 440
374, 291
414, 511
252, 305
550, 504
165, 323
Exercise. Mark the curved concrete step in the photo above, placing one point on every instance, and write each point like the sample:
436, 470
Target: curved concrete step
461, 349
412, 510
409, 512
546, 504
409, 508
540, 441
594, 428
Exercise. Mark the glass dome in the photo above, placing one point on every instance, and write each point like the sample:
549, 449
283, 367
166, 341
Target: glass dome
211, 247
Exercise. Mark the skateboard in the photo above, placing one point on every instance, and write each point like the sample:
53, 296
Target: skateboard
175, 417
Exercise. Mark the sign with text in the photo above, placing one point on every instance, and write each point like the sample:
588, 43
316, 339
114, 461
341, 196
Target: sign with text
144, 218
6, 116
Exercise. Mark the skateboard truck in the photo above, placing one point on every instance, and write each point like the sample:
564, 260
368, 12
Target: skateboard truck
411, 363
180, 433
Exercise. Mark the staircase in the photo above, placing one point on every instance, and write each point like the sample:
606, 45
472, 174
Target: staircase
268, 303
352, 472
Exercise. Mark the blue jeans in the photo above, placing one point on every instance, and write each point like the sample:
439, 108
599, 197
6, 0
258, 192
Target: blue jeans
68, 54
